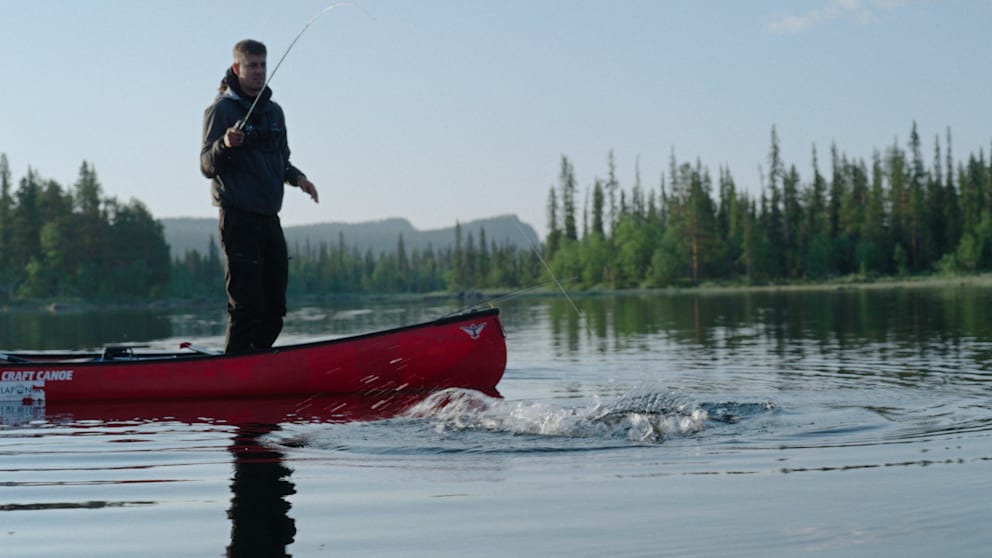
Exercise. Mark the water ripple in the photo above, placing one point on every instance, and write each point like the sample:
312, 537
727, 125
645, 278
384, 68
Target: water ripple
465, 421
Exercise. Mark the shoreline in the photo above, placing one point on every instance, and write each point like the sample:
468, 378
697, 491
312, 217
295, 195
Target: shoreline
978, 280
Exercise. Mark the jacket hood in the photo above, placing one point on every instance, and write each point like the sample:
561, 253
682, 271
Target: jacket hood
231, 87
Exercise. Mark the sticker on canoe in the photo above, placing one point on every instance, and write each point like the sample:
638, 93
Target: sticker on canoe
474, 330
18, 391
36, 375
16, 385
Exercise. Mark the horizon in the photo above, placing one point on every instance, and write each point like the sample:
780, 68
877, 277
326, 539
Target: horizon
185, 233
372, 220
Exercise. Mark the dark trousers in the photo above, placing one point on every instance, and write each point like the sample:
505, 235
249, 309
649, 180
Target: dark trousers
256, 271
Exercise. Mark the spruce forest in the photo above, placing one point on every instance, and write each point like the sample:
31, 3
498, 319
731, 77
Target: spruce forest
892, 215
900, 212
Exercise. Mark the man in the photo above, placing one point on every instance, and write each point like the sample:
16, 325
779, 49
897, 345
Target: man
247, 161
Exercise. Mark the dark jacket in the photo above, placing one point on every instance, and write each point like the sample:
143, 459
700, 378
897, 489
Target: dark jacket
249, 177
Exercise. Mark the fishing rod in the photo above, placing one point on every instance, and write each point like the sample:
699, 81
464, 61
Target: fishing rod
241, 123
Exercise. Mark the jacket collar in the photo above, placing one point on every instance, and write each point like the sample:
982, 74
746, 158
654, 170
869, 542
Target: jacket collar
230, 87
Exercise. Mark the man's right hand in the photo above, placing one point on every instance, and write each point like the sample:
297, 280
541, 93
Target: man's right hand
233, 137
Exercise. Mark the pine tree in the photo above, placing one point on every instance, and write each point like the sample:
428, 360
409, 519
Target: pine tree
952, 204
566, 181
900, 207
585, 216
612, 185
792, 220
92, 230
817, 227
875, 248
917, 218
773, 220
729, 223
8, 276
484, 260
837, 188
597, 209
553, 242
853, 217
935, 207
471, 261
638, 207
459, 272
402, 265
701, 224
27, 221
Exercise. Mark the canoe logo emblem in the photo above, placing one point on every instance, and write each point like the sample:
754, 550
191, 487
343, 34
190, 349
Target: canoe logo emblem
474, 330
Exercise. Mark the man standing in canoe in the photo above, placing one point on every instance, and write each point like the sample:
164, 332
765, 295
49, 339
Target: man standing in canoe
247, 162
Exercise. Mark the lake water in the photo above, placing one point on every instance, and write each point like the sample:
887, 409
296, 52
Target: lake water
841, 423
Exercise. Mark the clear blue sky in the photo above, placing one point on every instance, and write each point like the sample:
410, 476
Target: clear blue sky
445, 110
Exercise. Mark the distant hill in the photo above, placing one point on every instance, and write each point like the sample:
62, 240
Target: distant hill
190, 233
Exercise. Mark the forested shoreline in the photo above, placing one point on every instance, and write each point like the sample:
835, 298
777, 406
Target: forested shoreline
76, 244
891, 215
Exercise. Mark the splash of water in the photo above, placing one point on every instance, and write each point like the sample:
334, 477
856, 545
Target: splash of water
639, 417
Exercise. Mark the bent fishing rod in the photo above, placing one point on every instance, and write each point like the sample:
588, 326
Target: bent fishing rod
241, 123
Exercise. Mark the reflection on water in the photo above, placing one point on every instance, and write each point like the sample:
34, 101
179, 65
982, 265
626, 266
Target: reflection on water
838, 422
72, 330
259, 512
857, 331
841, 317
80, 329
912, 317
72, 455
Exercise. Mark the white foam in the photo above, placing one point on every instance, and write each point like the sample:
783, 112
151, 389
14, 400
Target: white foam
638, 417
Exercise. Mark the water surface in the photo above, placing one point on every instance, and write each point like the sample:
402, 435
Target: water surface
853, 423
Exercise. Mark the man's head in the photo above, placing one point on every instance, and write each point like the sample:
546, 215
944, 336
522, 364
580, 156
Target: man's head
249, 66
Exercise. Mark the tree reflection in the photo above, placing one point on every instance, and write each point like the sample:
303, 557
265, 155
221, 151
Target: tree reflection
925, 317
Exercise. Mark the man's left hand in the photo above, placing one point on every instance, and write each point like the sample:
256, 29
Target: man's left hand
304, 184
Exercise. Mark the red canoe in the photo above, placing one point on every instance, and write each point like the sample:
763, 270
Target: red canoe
463, 351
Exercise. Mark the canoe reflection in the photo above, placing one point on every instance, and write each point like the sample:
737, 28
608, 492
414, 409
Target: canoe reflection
235, 412
261, 483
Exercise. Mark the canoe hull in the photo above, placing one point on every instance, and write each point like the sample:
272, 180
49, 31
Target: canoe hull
467, 351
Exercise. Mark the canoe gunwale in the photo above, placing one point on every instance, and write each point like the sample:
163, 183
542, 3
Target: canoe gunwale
16, 359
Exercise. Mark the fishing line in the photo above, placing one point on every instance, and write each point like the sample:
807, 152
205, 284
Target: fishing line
241, 124
552, 273
496, 299
582, 318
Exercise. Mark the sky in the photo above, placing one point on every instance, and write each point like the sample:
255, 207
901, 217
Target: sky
451, 110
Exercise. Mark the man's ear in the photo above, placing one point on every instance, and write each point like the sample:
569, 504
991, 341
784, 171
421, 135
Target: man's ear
236, 68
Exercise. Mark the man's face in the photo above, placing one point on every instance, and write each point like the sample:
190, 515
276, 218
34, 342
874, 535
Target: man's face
251, 73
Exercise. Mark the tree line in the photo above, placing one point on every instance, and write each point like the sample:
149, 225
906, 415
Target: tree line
891, 215
76, 243
336, 267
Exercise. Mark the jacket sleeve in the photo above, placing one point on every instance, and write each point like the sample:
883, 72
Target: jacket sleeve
214, 156
292, 173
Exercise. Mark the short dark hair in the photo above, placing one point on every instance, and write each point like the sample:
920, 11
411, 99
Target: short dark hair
248, 47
